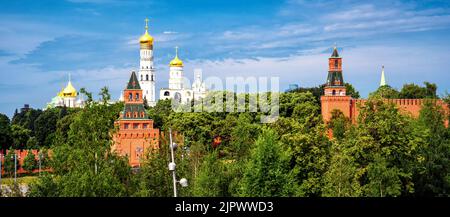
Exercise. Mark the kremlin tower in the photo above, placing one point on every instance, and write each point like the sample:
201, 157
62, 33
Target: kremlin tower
336, 98
135, 135
334, 91
146, 68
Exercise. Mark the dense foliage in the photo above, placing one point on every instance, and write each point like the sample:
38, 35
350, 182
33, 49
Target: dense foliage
385, 153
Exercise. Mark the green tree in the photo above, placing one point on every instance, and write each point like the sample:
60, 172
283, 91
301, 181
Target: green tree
385, 91
83, 164
211, 180
267, 172
45, 125
339, 124
32, 143
304, 134
413, 91
5, 132
383, 180
342, 176
26, 118
29, 163
384, 146
432, 172
20, 136
351, 91
9, 162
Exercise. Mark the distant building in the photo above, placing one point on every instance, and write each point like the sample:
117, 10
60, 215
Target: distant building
335, 96
146, 68
136, 134
25, 108
67, 97
292, 87
177, 89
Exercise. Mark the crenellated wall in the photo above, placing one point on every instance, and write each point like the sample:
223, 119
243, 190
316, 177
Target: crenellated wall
21, 154
350, 107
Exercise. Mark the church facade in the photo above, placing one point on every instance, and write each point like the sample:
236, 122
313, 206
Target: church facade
67, 97
335, 96
135, 135
178, 89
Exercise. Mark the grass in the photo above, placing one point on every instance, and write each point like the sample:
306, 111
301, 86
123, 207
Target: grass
21, 180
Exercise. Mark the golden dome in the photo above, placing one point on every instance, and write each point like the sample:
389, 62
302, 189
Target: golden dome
176, 61
69, 90
146, 40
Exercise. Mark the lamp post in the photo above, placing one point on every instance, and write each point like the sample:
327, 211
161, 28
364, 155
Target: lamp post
15, 166
183, 182
139, 151
40, 158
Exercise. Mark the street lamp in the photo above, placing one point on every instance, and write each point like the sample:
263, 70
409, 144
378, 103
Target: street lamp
183, 182
40, 158
139, 152
15, 166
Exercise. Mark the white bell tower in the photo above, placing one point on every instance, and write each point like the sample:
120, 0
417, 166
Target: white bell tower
146, 73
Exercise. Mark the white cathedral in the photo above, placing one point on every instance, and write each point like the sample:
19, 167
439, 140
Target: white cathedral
177, 89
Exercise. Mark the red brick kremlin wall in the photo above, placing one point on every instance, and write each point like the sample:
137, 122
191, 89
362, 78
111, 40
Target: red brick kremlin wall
350, 106
21, 154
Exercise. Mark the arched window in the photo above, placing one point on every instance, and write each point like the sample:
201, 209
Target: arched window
146, 77
152, 77
167, 93
141, 77
130, 97
137, 96
334, 92
336, 63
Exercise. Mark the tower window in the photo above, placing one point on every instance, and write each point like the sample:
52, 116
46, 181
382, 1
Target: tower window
167, 93
146, 77
141, 77
152, 78
334, 92
137, 96
336, 63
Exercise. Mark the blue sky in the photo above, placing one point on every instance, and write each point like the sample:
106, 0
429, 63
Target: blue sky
96, 41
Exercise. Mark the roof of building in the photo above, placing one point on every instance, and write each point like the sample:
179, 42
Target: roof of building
133, 84
335, 52
132, 108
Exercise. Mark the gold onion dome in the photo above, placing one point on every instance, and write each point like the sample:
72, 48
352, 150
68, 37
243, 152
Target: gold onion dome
69, 90
146, 40
176, 61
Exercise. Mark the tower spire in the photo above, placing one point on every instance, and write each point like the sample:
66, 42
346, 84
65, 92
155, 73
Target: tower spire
146, 24
383, 79
335, 51
176, 51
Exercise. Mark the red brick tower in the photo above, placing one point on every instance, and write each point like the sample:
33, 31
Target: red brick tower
136, 134
334, 92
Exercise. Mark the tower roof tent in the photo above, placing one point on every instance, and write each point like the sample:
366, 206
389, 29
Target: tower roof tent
133, 84
335, 52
